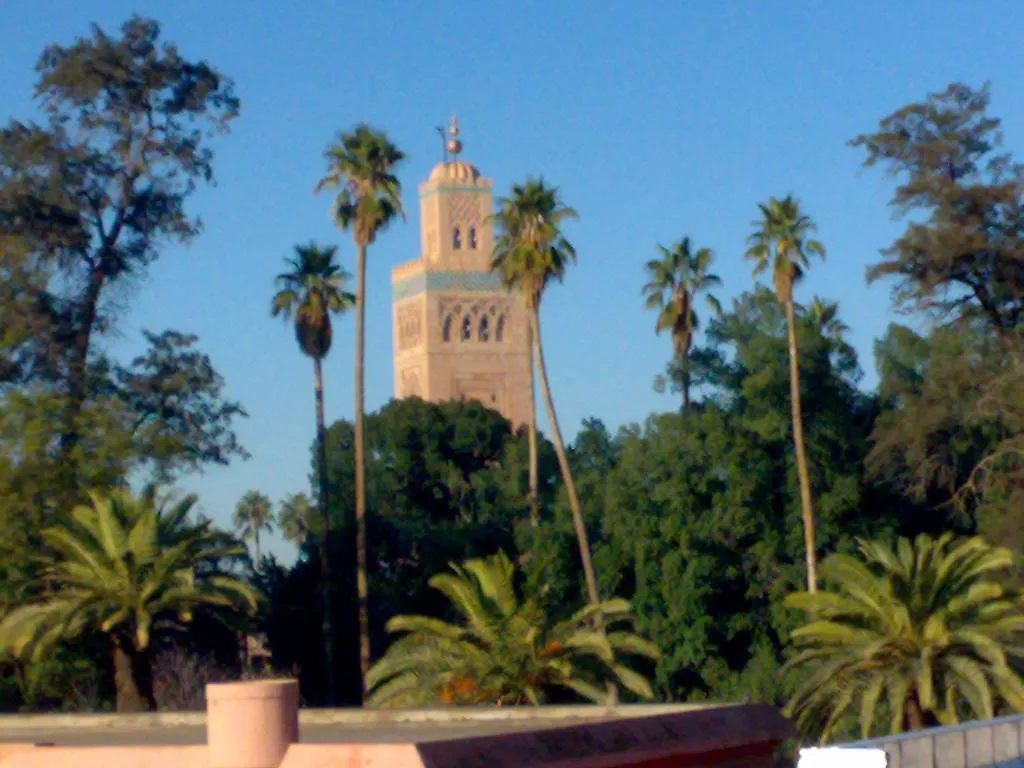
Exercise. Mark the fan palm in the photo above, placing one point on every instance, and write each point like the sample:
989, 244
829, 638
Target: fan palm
675, 280
824, 318
927, 627
781, 243
127, 567
530, 251
361, 166
297, 519
254, 515
505, 650
309, 293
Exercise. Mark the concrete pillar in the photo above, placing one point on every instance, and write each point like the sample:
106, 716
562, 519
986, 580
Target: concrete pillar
251, 724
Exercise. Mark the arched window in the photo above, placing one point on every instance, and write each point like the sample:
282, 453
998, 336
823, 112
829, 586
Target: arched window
485, 329
446, 329
467, 328
499, 330
456, 238
472, 238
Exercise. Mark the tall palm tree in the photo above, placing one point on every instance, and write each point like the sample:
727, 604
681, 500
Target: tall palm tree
529, 252
928, 627
127, 567
309, 293
675, 280
361, 166
504, 650
781, 243
298, 520
254, 514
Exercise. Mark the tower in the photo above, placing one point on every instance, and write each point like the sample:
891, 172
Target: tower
459, 334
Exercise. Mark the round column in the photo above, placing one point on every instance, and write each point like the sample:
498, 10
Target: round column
251, 724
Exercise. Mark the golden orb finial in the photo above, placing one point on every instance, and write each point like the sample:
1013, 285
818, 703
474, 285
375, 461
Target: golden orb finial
454, 143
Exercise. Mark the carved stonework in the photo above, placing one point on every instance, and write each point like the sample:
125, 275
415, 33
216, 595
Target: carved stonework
465, 211
474, 320
458, 332
410, 326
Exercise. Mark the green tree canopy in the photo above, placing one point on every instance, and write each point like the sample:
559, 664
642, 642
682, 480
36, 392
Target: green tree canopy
97, 190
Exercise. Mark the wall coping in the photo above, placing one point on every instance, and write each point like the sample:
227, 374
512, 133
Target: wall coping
353, 716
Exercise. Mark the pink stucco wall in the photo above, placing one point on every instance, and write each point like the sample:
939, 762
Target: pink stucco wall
105, 757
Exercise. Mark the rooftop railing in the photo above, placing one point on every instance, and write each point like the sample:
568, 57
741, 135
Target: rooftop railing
995, 743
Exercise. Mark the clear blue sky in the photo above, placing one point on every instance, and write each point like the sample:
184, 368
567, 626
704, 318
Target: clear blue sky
656, 119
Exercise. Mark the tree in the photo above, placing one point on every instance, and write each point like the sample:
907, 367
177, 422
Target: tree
925, 628
254, 514
961, 262
951, 432
308, 294
530, 251
128, 568
675, 281
361, 166
781, 242
962, 254
179, 418
505, 650
298, 519
97, 191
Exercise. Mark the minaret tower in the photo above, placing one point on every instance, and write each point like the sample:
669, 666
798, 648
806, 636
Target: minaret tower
458, 333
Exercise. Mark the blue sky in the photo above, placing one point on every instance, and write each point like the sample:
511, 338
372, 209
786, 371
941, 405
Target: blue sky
657, 120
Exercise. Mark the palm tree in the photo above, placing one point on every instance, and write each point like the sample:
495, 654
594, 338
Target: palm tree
297, 518
824, 315
928, 627
675, 281
782, 244
824, 318
505, 650
254, 515
361, 167
529, 252
128, 568
310, 292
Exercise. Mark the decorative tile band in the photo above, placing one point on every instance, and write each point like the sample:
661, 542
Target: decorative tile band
445, 281
424, 193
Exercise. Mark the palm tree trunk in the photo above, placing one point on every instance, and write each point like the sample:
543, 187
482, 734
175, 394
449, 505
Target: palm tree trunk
362, 590
563, 463
256, 546
325, 558
686, 383
801, 453
133, 678
913, 714
532, 434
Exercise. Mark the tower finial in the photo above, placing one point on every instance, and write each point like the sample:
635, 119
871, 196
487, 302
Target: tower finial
454, 143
